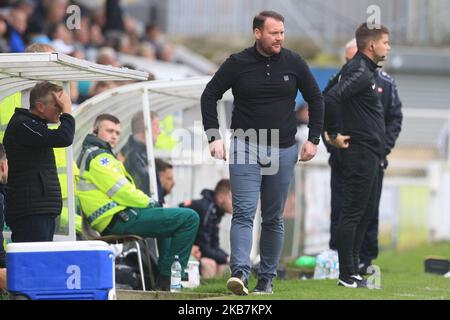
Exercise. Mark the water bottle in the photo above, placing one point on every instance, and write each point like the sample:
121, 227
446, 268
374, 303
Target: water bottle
328, 264
175, 276
319, 270
334, 266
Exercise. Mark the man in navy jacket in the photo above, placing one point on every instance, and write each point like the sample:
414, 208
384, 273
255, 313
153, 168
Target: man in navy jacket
34, 193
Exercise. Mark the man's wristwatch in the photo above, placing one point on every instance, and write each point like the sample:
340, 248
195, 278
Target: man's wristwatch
314, 140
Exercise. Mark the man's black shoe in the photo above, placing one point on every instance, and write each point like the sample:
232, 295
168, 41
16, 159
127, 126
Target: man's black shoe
352, 282
263, 286
357, 277
238, 284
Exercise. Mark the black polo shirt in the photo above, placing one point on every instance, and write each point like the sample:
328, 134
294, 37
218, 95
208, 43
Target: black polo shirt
264, 90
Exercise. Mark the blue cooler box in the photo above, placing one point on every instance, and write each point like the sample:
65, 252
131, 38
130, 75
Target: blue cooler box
81, 270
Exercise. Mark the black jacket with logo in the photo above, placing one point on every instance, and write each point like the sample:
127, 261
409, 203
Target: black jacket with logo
352, 105
392, 106
33, 185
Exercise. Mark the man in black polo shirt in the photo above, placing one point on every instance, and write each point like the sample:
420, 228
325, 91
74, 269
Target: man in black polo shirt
360, 133
264, 79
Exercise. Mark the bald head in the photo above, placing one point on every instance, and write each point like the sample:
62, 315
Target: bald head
350, 50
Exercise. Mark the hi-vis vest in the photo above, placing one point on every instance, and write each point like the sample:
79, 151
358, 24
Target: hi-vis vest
165, 140
61, 163
61, 167
104, 188
7, 107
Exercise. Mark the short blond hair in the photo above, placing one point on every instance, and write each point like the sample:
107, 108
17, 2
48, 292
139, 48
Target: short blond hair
39, 47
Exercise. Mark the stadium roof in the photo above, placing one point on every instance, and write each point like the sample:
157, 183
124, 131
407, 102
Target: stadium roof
21, 71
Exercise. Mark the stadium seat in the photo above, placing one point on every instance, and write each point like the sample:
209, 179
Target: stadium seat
91, 234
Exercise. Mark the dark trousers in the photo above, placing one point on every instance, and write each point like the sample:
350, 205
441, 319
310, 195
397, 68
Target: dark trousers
359, 183
175, 228
336, 195
369, 249
36, 228
2, 248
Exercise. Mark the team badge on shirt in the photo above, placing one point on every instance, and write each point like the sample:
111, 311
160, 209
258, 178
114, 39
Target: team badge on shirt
104, 161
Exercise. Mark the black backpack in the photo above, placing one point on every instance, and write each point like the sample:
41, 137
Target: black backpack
127, 267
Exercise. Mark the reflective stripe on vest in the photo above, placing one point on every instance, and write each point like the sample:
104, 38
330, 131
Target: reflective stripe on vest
61, 170
100, 211
84, 159
115, 188
84, 185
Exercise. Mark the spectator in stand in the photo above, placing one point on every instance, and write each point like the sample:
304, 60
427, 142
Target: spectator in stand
147, 51
27, 6
96, 36
49, 13
108, 56
114, 17
35, 33
132, 33
17, 28
153, 36
100, 87
4, 46
56, 10
62, 38
82, 35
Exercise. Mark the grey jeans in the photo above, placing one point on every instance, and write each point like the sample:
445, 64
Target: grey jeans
249, 180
